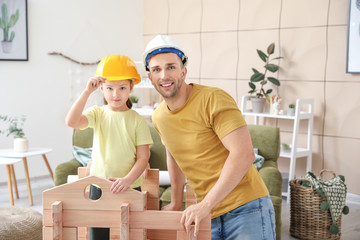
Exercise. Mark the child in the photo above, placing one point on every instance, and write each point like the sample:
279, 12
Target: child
121, 136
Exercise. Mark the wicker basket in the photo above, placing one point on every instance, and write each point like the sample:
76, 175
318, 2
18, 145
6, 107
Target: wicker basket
307, 220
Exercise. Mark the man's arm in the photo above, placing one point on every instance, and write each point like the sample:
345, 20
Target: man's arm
177, 180
239, 160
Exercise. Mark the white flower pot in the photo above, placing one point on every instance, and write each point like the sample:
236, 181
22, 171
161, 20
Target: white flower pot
21, 145
6, 46
258, 104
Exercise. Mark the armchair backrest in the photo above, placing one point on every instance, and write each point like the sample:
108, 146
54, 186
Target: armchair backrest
157, 151
83, 138
267, 140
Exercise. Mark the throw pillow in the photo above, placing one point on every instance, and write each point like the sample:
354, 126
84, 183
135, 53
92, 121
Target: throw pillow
259, 160
83, 155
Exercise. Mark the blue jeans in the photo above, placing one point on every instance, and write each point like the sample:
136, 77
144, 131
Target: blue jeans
254, 220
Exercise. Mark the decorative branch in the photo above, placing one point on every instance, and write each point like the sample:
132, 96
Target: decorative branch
73, 60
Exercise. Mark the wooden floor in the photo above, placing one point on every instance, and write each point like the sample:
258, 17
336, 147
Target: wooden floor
350, 223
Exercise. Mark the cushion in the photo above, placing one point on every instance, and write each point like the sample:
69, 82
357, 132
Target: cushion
83, 155
18, 223
259, 160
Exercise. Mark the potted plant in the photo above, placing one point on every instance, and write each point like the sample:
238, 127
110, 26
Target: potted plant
291, 110
6, 23
14, 128
134, 99
261, 95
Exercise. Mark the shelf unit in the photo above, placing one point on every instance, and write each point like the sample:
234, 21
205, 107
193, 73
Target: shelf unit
295, 152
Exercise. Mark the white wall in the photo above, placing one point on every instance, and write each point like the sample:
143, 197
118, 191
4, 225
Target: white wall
44, 87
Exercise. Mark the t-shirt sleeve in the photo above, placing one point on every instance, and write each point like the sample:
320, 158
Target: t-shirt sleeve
143, 135
224, 114
91, 114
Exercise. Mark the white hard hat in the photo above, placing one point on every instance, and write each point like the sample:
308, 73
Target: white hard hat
163, 44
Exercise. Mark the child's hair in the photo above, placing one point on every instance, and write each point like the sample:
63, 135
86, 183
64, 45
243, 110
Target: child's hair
128, 102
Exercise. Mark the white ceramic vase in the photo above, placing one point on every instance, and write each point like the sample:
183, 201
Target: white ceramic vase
21, 145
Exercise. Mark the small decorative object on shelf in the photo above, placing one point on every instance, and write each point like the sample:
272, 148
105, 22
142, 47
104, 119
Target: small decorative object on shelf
134, 99
291, 110
21, 144
258, 102
275, 105
285, 147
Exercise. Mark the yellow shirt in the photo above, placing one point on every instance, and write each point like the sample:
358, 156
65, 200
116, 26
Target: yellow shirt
116, 135
193, 136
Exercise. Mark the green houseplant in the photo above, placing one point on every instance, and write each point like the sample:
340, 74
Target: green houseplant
15, 128
134, 99
6, 23
262, 78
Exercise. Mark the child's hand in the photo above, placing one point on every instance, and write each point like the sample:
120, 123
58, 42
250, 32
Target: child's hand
94, 83
119, 185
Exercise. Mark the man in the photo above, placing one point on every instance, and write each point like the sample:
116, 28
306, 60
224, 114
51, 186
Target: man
207, 141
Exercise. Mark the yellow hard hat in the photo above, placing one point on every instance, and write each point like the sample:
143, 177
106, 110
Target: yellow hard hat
118, 67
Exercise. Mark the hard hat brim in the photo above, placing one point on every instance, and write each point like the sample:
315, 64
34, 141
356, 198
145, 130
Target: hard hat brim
115, 78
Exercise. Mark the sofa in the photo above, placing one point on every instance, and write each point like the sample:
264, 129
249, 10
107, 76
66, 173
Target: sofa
265, 138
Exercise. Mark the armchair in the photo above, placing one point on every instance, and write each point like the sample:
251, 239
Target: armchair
267, 140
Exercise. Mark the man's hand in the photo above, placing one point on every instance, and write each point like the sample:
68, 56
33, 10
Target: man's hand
194, 214
119, 185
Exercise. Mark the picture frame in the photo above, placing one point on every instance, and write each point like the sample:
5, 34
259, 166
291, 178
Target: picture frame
353, 46
13, 30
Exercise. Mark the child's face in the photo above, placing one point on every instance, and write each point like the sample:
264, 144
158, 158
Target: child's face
116, 93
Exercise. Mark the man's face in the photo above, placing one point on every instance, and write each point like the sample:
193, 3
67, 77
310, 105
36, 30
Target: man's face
167, 74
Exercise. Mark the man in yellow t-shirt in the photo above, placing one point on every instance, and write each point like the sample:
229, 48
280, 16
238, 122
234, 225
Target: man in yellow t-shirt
207, 141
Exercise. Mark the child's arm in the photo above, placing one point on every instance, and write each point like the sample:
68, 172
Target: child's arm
74, 118
142, 160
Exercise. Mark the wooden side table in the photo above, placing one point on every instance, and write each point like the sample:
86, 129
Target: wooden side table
8, 157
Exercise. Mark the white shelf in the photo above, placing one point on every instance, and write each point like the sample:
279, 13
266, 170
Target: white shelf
295, 152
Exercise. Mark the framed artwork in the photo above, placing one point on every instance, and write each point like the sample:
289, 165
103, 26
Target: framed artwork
13, 30
353, 47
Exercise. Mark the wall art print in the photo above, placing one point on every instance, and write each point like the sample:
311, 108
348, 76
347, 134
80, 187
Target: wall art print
353, 48
13, 30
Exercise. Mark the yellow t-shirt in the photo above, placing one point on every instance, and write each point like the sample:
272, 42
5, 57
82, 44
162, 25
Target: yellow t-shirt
116, 135
193, 136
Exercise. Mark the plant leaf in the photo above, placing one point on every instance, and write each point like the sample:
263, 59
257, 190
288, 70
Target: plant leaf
271, 67
269, 91
254, 70
256, 77
252, 86
262, 55
271, 48
276, 58
267, 97
274, 81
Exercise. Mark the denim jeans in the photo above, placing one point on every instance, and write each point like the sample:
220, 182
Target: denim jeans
254, 220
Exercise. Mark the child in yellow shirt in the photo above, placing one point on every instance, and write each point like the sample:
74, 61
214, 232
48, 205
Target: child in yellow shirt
121, 136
